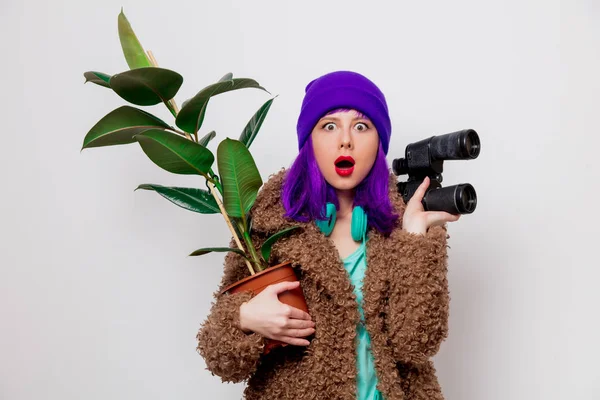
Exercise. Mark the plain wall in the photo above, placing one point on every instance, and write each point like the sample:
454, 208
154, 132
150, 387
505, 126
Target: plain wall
98, 298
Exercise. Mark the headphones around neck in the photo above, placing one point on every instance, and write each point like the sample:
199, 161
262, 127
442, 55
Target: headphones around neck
358, 227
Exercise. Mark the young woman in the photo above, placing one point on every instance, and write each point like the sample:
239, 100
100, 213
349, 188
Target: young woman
372, 269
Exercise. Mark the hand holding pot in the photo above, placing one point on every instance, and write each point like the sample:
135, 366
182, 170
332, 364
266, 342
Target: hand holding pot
267, 316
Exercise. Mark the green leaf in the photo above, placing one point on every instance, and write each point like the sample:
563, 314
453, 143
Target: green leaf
191, 115
132, 49
98, 78
120, 125
268, 244
253, 126
207, 250
192, 199
239, 177
207, 138
146, 86
227, 77
175, 154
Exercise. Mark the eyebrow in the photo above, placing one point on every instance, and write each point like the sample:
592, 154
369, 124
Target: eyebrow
338, 119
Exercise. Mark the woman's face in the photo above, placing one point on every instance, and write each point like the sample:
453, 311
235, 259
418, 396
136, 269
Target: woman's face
345, 134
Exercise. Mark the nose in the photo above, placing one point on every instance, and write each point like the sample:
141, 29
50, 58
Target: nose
345, 144
346, 140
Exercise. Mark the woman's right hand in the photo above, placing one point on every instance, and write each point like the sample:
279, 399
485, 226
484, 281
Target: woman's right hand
267, 316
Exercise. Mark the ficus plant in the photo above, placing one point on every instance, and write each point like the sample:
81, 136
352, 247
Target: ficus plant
233, 190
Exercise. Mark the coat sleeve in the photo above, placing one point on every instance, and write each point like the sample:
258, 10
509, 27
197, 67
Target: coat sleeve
418, 302
229, 352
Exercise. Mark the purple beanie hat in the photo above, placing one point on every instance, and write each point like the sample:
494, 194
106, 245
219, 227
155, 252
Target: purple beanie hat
343, 89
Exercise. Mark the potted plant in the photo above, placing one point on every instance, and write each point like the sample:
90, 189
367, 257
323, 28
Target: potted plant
231, 192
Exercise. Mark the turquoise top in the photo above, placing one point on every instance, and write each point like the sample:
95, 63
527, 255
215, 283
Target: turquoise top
366, 379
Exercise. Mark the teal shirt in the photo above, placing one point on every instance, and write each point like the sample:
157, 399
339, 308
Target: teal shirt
366, 379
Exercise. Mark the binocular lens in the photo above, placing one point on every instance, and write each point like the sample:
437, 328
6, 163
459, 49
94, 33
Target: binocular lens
472, 143
466, 198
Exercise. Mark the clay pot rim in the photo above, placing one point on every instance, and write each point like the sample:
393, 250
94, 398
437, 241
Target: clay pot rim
268, 269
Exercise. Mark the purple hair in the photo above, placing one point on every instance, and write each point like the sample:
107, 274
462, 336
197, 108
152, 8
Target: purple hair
305, 191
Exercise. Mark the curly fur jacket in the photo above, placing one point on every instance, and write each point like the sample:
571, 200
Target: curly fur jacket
406, 302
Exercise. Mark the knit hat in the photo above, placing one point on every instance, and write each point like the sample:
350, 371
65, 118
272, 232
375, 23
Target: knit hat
343, 89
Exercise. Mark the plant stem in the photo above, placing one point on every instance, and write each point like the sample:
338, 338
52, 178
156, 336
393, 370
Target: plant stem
187, 135
174, 104
252, 250
215, 181
216, 184
224, 213
170, 107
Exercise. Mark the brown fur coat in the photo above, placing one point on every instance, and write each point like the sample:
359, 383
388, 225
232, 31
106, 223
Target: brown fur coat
406, 300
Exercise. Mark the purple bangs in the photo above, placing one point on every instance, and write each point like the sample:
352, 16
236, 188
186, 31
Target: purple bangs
358, 113
305, 191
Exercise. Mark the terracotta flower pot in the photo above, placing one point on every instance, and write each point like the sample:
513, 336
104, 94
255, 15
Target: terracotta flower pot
258, 282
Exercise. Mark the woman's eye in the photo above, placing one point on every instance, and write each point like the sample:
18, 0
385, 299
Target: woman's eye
328, 125
361, 126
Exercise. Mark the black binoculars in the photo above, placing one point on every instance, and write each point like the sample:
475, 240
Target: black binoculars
426, 158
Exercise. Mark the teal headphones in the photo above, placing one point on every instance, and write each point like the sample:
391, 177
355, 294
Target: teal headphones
358, 227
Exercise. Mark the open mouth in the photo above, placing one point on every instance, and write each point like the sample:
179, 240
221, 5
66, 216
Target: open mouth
344, 165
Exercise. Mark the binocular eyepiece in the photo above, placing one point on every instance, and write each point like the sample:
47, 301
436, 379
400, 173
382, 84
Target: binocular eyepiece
426, 158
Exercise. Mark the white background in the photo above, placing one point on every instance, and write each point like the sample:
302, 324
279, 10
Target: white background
98, 298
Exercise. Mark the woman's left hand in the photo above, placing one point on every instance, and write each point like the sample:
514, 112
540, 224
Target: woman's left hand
416, 219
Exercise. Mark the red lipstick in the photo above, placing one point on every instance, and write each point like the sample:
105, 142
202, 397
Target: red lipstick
344, 165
